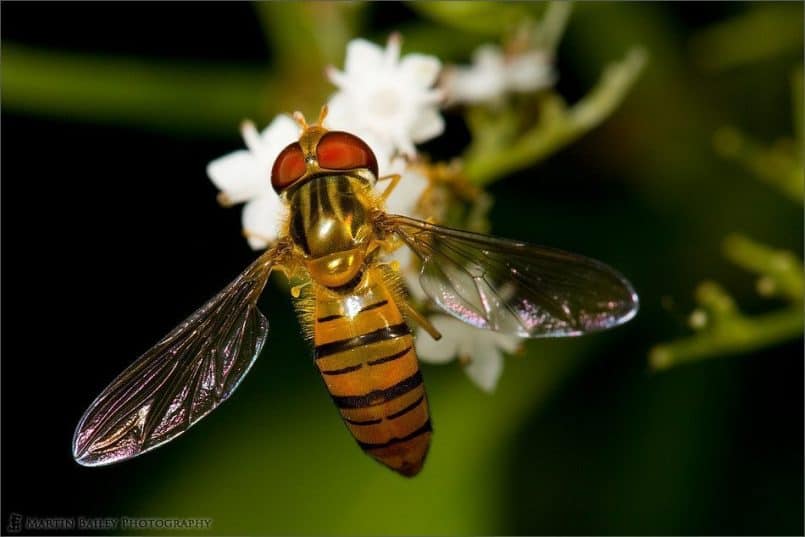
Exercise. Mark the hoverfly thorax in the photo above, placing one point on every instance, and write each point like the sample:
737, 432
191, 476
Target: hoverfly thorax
326, 178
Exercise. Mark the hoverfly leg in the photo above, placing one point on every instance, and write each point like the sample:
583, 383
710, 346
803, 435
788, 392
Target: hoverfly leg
386, 245
411, 312
395, 180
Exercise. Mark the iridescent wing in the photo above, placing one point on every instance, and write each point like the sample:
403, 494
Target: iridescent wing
182, 378
514, 287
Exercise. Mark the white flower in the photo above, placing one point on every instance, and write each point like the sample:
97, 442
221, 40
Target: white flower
492, 75
386, 100
245, 176
477, 348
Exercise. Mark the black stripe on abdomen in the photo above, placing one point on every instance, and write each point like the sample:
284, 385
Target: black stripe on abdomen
378, 397
342, 371
370, 307
395, 356
407, 409
329, 318
426, 428
381, 334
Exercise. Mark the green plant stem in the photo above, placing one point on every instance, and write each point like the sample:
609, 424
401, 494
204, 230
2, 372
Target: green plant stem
552, 25
780, 166
170, 96
492, 19
782, 268
731, 336
557, 126
763, 31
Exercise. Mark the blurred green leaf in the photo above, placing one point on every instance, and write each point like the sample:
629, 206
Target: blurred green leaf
159, 95
798, 106
765, 30
491, 19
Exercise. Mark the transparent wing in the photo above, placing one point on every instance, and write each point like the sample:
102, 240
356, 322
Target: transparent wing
182, 378
514, 287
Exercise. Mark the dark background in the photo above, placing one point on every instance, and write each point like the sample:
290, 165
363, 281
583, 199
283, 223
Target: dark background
111, 235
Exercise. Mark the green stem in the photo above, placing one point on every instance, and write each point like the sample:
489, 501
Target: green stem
171, 96
731, 43
492, 19
736, 335
304, 39
782, 268
779, 166
552, 25
558, 126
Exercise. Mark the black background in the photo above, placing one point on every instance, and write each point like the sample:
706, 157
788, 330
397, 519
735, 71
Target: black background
111, 235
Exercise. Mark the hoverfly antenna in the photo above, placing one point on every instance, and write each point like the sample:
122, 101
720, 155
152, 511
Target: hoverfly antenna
299, 117
322, 115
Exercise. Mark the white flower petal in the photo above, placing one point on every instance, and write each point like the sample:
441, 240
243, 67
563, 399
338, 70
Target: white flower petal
239, 176
529, 72
250, 136
488, 56
362, 57
492, 75
404, 144
392, 53
510, 344
429, 124
338, 78
486, 364
444, 350
469, 86
338, 111
398, 165
421, 69
261, 218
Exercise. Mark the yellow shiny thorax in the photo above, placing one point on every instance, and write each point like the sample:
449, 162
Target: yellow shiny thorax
330, 223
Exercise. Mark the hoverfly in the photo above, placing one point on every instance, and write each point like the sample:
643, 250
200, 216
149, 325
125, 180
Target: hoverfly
353, 309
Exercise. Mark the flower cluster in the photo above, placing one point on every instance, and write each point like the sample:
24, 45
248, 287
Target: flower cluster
386, 100
393, 103
494, 74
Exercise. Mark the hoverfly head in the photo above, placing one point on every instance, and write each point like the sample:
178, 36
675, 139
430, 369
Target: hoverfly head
320, 151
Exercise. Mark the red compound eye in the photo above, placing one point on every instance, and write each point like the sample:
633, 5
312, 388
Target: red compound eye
289, 166
344, 151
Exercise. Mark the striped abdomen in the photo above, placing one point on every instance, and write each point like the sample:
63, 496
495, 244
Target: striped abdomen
365, 353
